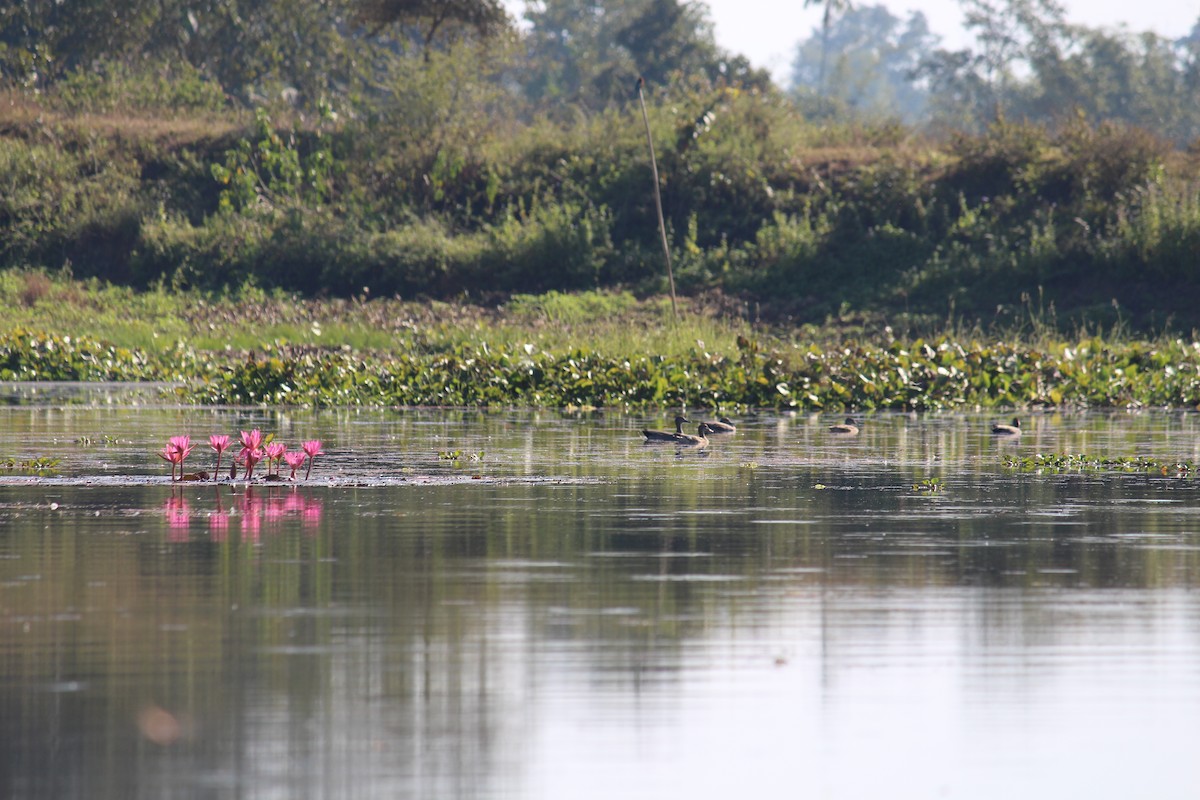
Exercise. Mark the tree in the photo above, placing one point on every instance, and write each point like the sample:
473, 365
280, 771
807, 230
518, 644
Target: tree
449, 19
831, 7
872, 71
245, 45
974, 87
591, 53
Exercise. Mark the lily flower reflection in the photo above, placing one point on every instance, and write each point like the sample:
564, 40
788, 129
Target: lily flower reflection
178, 518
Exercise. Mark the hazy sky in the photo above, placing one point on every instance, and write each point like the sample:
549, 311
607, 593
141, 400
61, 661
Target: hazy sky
766, 31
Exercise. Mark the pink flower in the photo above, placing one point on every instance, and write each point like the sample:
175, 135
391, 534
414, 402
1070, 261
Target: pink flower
176, 451
275, 452
312, 449
295, 461
251, 457
183, 444
251, 440
251, 454
218, 442
170, 455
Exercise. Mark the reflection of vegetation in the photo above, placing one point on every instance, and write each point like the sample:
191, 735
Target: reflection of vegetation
1070, 462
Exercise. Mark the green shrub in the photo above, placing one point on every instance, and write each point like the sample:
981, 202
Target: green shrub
112, 85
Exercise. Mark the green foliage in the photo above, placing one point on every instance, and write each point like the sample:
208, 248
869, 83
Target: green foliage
32, 356
269, 170
444, 191
917, 376
40, 465
112, 85
528, 353
928, 486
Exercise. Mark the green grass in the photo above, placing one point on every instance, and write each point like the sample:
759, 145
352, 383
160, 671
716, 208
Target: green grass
586, 349
609, 323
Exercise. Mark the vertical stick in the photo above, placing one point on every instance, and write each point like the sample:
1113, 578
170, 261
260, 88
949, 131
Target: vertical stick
662, 226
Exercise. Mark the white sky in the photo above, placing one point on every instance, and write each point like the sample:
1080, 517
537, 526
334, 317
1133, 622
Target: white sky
767, 31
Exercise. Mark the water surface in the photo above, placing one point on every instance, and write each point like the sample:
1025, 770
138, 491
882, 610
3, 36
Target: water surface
464, 604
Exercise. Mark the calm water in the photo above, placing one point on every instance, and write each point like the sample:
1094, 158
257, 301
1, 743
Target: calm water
564, 612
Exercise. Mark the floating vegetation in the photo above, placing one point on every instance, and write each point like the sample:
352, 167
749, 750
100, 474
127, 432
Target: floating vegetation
106, 440
928, 486
468, 356
41, 466
458, 457
1069, 462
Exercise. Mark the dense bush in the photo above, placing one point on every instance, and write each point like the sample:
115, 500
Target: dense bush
808, 221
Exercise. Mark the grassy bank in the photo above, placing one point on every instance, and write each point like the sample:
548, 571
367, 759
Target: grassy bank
802, 221
559, 350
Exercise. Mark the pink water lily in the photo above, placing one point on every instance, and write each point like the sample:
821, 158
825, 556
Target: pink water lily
295, 460
169, 454
251, 440
312, 449
275, 452
176, 451
251, 457
220, 443
183, 445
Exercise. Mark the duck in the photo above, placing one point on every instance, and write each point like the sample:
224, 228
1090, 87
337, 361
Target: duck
699, 440
1008, 430
667, 436
722, 425
849, 427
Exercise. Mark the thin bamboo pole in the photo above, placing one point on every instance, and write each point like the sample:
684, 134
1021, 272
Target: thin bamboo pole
662, 226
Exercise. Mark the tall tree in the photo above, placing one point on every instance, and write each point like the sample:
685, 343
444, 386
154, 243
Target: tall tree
831, 7
447, 20
871, 73
591, 51
243, 44
976, 86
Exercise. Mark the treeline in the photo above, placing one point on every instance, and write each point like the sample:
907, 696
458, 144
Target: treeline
332, 147
1025, 62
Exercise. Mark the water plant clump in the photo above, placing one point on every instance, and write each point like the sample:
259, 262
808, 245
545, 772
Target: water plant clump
1071, 462
557, 351
39, 465
255, 448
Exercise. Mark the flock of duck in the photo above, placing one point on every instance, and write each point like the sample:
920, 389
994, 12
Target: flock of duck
725, 425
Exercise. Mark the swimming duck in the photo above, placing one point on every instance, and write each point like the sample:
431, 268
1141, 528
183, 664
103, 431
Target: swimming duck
849, 427
722, 425
1008, 430
699, 440
667, 436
